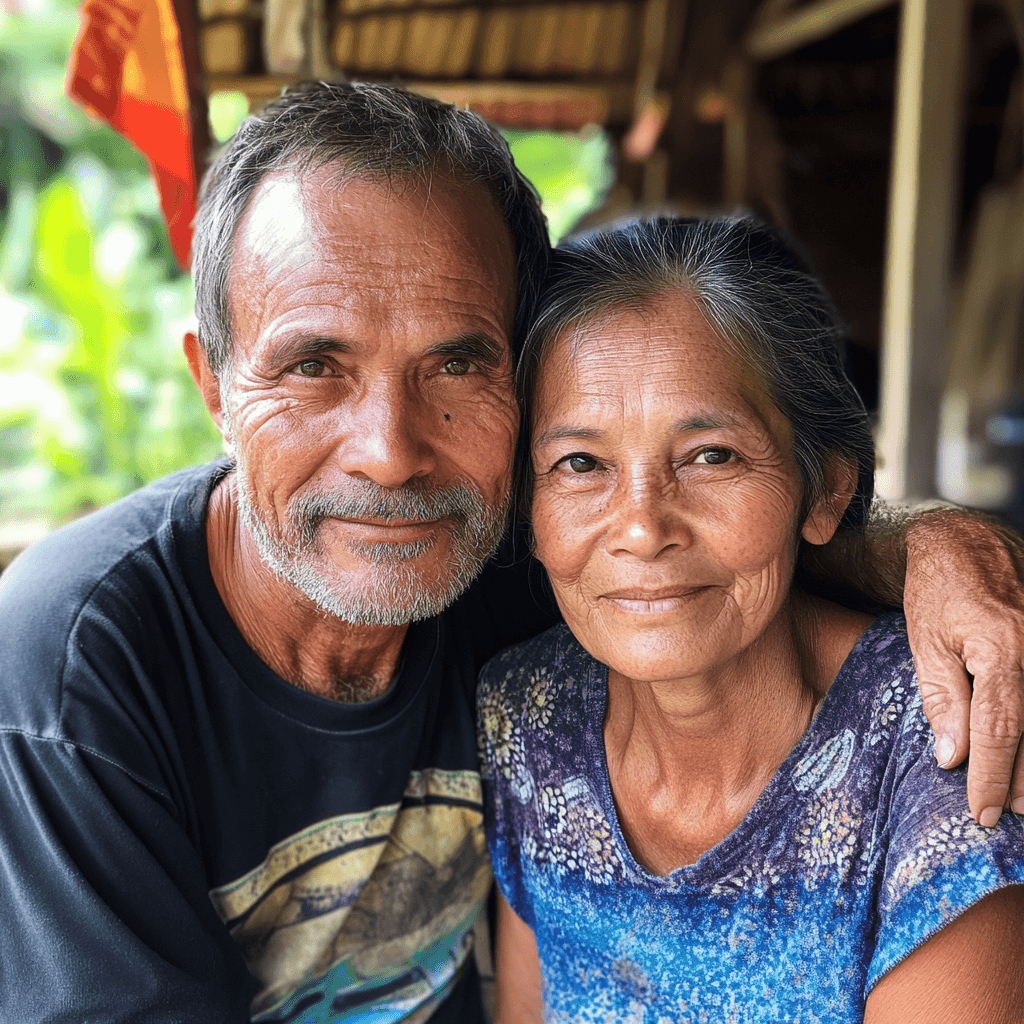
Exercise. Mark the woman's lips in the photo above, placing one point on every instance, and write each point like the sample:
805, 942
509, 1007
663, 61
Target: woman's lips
652, 601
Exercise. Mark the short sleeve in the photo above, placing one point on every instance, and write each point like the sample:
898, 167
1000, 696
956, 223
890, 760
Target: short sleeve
497, 730
938, 862
105, 917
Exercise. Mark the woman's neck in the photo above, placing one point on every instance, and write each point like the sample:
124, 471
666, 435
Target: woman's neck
688, 758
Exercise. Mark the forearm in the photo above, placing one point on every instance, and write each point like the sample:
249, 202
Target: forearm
520, 1000
868, 567
874, 564
970, 972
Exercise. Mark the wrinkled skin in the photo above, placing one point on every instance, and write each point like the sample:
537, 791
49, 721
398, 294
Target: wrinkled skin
361, 358
965, 614
964, 598
666, 498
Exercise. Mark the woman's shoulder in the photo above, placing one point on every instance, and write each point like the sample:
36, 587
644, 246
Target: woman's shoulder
874, 703
535, 690
884, 642
551, 653
878, 660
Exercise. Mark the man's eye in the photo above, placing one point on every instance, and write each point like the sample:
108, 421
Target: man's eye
310, 368
580, 463
457, 366
714, 456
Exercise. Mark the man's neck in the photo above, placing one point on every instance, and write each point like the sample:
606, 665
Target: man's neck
302, 644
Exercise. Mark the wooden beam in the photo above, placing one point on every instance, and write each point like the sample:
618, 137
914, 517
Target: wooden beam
934, 37
771, 10
786, 32
565, 105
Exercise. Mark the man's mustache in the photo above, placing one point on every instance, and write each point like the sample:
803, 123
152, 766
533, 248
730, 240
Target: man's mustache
464, 505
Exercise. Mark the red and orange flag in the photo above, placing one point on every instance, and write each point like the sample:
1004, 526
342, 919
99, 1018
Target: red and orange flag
127, 68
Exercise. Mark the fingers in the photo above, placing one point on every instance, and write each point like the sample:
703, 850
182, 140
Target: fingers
946, 697
1017, 782
988, 723
995, 774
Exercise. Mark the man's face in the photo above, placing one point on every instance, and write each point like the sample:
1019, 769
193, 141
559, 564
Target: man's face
369, 400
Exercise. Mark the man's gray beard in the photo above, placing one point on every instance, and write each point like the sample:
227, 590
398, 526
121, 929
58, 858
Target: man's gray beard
392, 592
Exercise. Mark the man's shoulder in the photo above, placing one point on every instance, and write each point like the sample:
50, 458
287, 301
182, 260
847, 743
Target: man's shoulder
74, 558
109, 559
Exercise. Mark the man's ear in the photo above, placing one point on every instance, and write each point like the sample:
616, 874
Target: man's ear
823, 519
206, 380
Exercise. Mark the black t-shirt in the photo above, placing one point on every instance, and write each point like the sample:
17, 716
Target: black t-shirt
187, 837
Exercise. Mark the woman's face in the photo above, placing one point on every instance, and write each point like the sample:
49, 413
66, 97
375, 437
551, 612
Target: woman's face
666, 496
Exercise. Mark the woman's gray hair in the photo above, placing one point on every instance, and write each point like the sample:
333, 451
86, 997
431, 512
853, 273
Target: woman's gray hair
368, 129
757, 294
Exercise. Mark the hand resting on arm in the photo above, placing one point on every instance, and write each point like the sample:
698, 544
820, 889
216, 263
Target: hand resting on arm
963, 597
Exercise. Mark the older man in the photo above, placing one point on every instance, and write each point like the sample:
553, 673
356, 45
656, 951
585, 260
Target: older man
237, 767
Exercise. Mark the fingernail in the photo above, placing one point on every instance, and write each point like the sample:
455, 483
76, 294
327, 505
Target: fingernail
944, 749
990, 817
1017, 806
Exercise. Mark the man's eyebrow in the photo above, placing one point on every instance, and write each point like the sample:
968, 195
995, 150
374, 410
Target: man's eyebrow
302, 346
475, 345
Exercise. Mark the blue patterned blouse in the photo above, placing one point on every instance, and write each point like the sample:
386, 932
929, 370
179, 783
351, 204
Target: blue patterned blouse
857, 851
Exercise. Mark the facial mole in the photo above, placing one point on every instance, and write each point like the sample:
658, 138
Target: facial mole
446, 416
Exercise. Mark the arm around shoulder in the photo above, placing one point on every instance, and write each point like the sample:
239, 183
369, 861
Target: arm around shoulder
960, 578
520, 999
970, 972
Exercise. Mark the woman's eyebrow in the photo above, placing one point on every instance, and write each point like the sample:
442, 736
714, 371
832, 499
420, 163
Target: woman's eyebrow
710, 421
702, 421
561, 433
722, 420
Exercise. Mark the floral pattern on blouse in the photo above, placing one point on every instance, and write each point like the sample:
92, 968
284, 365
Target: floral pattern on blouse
857, 851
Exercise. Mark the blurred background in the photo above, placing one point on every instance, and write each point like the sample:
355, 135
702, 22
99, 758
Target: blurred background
95, 396
886, 137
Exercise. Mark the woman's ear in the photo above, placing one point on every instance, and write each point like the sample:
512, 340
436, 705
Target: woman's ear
823, 519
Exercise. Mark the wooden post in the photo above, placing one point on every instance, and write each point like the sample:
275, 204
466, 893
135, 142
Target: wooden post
737, 83
186, 14
934, 37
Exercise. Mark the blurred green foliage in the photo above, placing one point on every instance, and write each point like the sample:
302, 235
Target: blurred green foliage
95, 394
571, 172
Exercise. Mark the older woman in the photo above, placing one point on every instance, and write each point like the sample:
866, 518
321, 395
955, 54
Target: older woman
714, 796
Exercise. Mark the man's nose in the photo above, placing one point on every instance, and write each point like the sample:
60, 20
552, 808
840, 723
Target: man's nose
647, 519
387, 439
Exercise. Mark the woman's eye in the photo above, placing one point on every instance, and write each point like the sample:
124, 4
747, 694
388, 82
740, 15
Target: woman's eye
457, 367
714, 456
579, 463
310, 368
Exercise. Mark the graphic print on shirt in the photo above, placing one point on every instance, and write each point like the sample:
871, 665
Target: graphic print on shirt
366, 914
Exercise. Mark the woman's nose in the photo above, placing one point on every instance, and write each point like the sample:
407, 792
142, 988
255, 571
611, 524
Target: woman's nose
387, 439
647, 519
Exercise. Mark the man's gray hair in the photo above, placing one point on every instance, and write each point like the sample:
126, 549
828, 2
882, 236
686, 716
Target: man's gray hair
762, 300
368, 129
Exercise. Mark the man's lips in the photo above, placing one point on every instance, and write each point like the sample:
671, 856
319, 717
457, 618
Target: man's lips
393, 531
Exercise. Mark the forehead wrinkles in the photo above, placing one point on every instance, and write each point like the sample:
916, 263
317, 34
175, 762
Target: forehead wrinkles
622, 356
441, 238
